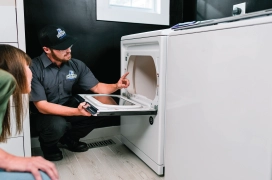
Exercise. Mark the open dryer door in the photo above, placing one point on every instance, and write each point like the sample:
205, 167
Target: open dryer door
114, 105
140, 98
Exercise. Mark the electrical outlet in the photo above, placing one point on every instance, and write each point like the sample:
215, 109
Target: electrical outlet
242, 6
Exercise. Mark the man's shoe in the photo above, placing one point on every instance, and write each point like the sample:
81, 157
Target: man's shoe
53, 156
52, 153
73, 145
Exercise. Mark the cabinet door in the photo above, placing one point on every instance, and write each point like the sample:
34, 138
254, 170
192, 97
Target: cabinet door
13, 123
14, 146
8, 28
12, 44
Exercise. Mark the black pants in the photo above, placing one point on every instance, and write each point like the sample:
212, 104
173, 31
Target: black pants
51, 128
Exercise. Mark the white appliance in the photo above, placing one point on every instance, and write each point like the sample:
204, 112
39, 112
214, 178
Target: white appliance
114, 105
143, 55
142, 105
219, 102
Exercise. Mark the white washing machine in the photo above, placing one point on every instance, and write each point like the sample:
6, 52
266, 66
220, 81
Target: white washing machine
142, 105
219, 101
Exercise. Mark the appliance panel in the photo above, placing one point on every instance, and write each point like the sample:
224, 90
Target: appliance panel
115, 105
218, 117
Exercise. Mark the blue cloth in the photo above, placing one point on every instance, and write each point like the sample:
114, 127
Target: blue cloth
20, 175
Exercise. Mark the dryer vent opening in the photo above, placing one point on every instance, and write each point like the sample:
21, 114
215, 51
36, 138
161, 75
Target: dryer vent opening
143, 76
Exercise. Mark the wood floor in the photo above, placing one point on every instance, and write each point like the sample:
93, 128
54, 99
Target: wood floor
113, 162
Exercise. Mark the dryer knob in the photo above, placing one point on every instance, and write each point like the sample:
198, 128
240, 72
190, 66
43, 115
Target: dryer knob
151, 120
236, 11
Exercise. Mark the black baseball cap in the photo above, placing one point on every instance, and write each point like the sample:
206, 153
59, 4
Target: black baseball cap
55, 37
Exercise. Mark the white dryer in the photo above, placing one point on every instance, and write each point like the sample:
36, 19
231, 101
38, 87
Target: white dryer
143, 55
142, 105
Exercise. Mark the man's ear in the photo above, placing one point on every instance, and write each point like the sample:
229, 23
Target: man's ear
46, 50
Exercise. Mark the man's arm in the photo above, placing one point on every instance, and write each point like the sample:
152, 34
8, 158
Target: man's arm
103, 88
45, 107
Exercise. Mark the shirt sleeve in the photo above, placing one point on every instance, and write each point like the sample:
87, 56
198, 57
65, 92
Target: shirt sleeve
37, 90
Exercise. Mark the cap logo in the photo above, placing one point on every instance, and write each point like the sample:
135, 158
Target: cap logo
61, 33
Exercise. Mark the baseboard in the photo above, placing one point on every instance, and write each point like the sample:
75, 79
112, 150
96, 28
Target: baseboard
103, 132
96, 133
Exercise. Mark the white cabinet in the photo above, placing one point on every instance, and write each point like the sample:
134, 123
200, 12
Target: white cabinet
14, 146
12, 32
218, 103
8, 29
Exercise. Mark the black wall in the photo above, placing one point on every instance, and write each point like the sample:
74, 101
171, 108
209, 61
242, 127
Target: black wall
98, 41
213, 9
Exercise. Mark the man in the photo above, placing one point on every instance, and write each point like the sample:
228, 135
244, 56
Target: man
58, 118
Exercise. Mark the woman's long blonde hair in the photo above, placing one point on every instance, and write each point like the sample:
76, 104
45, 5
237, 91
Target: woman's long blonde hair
13, 61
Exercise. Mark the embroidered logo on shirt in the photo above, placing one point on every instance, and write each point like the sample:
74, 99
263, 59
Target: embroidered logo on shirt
71, 75
61, 33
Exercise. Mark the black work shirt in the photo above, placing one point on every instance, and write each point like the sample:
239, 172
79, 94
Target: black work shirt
54, 84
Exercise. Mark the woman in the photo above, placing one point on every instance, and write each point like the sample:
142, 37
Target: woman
15, 79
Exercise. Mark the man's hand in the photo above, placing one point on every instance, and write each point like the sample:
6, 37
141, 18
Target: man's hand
102, 88
81, 109
123, 81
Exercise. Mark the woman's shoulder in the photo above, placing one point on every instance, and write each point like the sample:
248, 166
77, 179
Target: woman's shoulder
7, 81
5, 76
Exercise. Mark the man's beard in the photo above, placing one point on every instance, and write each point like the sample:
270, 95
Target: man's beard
60, 60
